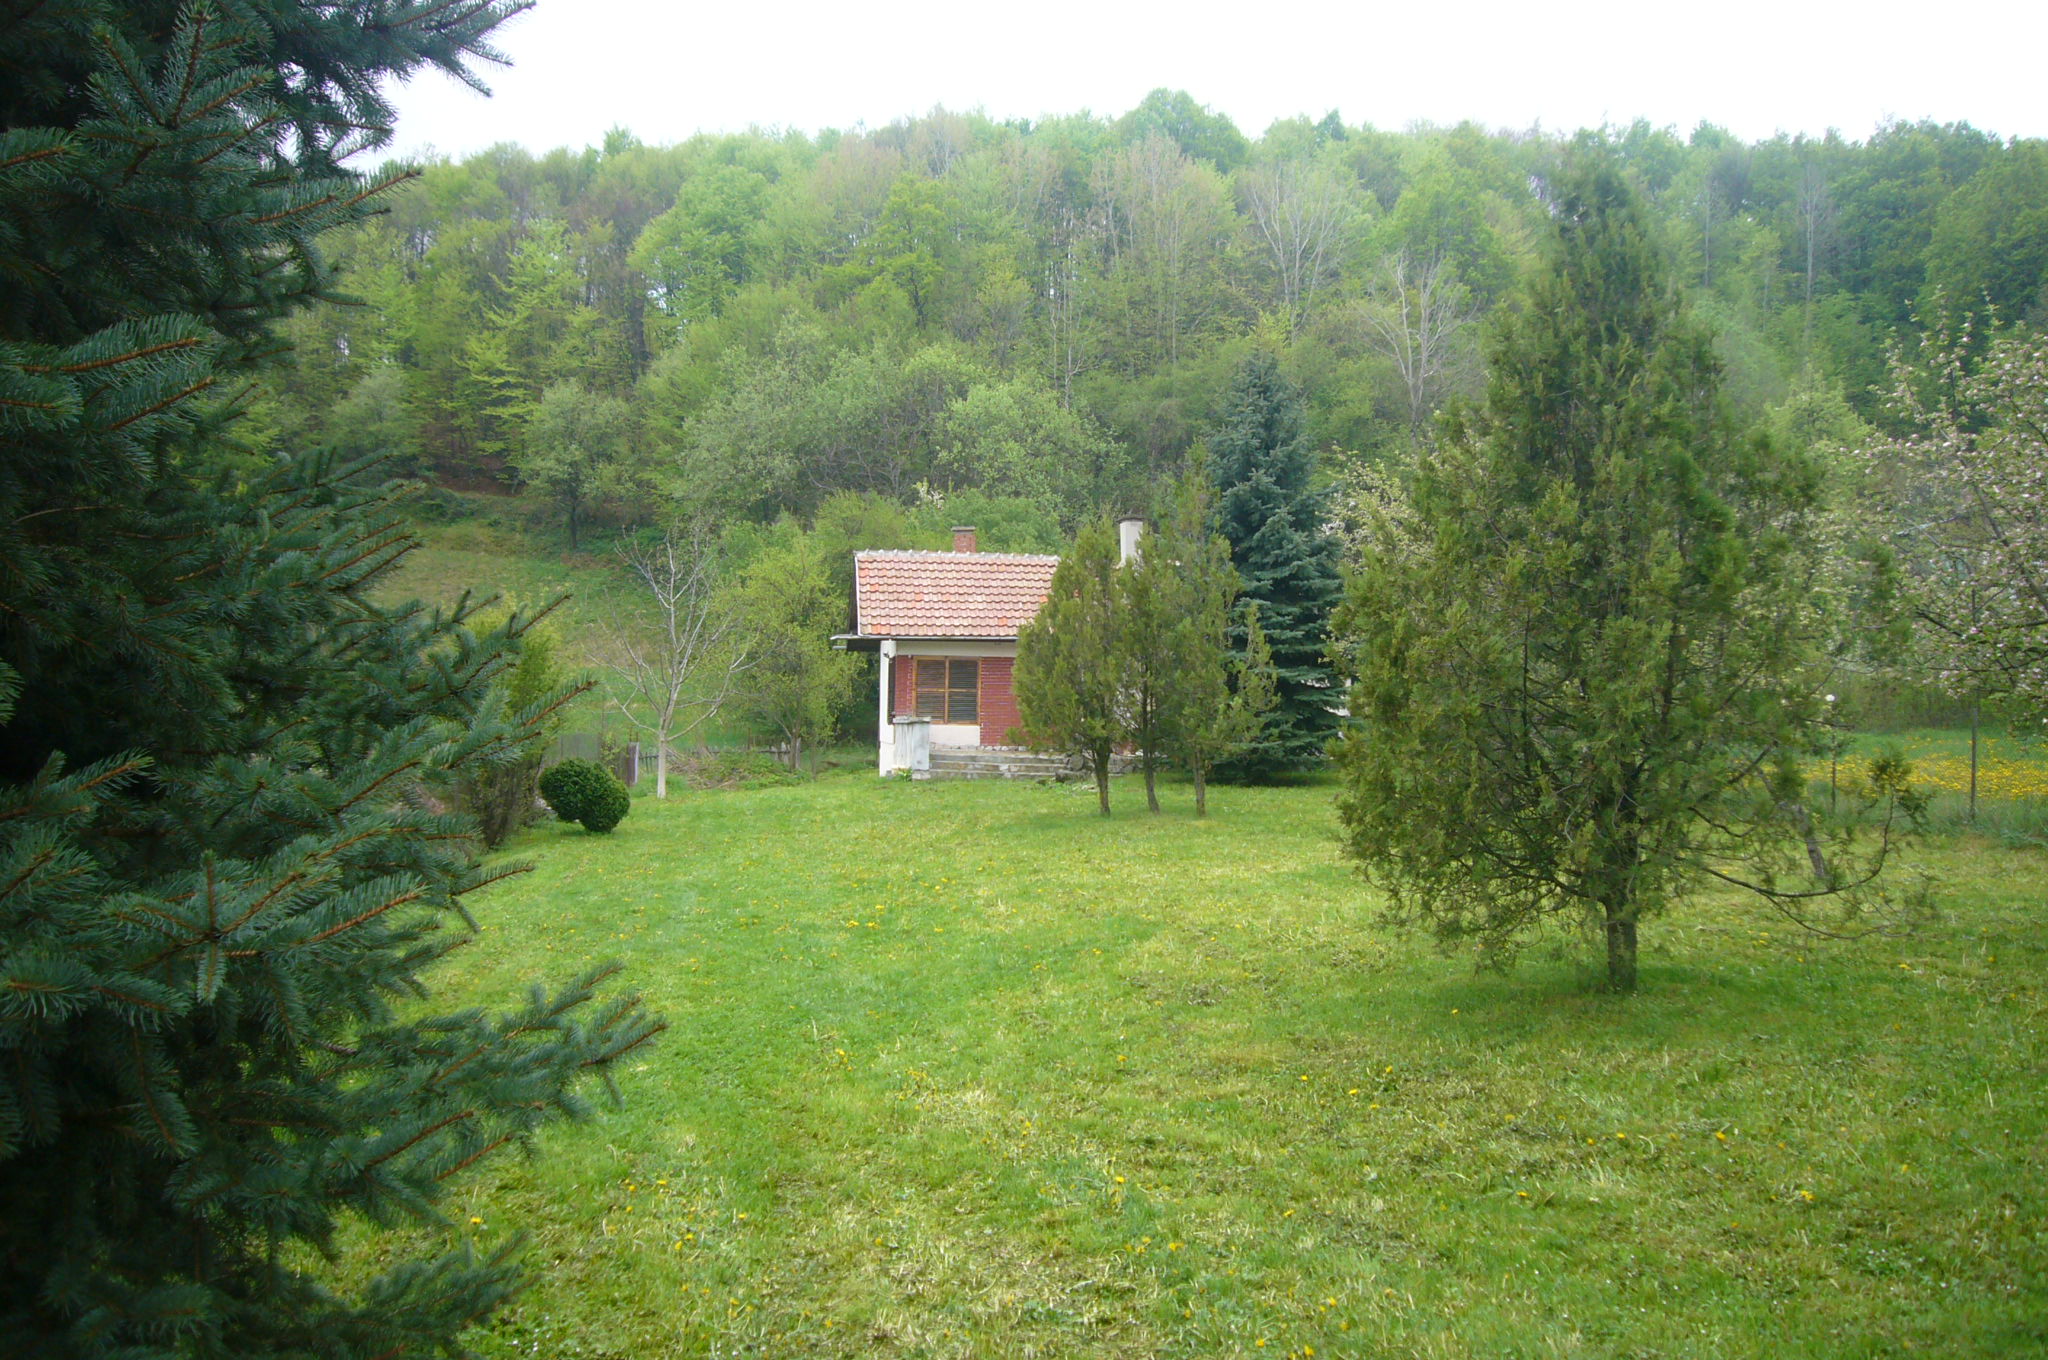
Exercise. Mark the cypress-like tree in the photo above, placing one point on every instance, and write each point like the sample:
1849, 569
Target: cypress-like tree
222, 865
1071, 659
1583, 651
1273, 519
1211, 700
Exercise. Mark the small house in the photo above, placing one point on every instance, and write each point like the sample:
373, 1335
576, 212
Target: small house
945, 625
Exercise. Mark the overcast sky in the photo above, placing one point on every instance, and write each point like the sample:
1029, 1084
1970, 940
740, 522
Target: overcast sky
666, 71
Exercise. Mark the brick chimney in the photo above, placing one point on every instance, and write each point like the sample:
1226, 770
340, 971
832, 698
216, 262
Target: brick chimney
963, 538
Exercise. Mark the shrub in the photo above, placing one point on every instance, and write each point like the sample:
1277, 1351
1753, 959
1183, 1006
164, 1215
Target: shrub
585, 791
500, 795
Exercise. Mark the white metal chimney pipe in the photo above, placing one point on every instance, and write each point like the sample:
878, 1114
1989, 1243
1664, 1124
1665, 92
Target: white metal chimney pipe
1127, 531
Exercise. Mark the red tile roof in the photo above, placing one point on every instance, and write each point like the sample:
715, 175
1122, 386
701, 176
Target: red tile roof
943, 594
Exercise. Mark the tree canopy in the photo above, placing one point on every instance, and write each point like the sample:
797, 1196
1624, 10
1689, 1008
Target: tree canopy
790, 316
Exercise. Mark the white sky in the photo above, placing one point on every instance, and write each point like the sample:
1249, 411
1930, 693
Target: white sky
665, 70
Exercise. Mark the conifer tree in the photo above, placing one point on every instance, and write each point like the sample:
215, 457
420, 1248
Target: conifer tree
1582, 651
1212, 700
222, 863
1070, 659
1147, 600
1273, 519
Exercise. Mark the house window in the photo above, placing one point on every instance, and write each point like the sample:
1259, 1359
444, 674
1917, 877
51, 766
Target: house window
947, 690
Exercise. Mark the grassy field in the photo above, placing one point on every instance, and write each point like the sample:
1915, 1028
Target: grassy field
487, 560
496, 559
964, 1070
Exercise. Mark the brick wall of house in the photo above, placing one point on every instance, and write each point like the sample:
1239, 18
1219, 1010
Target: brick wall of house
900, 684
998, 701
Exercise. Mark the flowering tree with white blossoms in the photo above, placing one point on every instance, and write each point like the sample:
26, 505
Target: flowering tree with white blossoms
1971, 513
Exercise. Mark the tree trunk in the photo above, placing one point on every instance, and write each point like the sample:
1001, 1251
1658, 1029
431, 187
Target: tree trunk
1102, 780
661, 768
1151, 784
1621, 949
1201, 789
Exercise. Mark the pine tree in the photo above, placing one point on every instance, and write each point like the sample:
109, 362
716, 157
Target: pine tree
1273, 519
222, 863
1582, 651
1071, 659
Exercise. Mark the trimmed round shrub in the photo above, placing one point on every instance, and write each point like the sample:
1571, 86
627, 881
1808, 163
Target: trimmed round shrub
585, 791
561, 784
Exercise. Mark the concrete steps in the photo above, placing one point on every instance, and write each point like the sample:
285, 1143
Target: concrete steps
992, 762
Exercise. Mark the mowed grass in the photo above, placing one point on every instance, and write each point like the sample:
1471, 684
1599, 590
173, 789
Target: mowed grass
965, 1070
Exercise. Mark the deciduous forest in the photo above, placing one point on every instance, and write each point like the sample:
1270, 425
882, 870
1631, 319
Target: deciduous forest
744, 325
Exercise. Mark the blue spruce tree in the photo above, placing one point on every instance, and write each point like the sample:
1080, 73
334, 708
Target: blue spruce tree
1273, 519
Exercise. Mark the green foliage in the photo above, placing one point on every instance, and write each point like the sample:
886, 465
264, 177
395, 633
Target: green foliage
501, 795
1013, 438
571, 446
586, 792
1199, 132
1988, 251
797, 684
1962, 500
1009, 524
1069, 674
1583, 647
227, 881
1051, 311
1269, 512
1184, 599
695, 256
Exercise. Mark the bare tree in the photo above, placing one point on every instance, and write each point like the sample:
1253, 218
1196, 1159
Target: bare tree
1300, 210
676, 654
1414, 312
1167, 223
1816, 207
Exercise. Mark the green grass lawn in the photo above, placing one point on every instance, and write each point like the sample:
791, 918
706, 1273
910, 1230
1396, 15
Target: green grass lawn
964, 1070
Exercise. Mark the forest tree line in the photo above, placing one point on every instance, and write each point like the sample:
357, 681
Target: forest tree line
1048, 313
